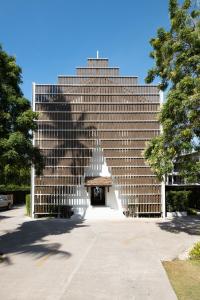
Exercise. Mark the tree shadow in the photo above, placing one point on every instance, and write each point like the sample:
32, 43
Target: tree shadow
66, 147
29, 238
65, 140
70, 144
189, 225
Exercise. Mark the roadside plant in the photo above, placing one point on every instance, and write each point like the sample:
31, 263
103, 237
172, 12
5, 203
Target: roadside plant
195, 252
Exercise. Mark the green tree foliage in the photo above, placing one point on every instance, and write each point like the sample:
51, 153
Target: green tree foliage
176, 55
17, 122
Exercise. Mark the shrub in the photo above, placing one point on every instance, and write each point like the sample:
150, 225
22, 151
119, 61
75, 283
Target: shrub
191, 211
195, 252
28, 205
177, 200
14, 188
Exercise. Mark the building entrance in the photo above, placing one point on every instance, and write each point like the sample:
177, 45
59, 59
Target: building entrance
97, 195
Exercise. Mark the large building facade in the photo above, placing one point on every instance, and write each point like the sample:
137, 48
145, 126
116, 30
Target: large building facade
92, 130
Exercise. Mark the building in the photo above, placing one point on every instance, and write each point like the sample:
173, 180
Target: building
176, 182
92, 129
175, 179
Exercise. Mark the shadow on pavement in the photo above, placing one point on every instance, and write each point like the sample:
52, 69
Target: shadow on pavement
4, 217
29, 238
189, 225
5, 210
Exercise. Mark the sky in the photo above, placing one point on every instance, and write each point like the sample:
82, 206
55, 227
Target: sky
53, 37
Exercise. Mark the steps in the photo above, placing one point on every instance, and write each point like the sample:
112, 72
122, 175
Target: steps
103, 213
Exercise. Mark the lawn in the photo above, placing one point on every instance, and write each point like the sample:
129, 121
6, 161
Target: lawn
185, 278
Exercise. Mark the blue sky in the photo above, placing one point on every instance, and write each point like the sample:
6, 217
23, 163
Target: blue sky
52, 37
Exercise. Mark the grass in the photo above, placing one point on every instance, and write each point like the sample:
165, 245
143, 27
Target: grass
185, 278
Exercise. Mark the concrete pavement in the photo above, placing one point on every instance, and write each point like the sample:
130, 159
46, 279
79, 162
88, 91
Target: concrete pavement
63, 259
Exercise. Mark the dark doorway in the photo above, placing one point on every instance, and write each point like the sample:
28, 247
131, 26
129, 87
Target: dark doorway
97, 195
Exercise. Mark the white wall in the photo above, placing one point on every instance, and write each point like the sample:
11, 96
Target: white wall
97, 167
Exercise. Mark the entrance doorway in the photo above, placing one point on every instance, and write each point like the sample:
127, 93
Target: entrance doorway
97, 195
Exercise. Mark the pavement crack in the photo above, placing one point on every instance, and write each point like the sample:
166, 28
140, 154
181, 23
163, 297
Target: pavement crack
75, 270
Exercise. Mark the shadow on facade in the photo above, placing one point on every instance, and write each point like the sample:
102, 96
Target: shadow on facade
69, 143
29, 238
189, 225
72, 140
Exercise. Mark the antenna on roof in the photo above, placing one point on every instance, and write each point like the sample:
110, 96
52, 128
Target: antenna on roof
97, 54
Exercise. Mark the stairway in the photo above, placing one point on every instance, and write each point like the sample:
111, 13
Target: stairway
103, 213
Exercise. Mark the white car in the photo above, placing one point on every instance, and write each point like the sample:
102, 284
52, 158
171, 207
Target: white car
6, 201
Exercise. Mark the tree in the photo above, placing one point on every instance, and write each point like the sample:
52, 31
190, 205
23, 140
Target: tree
176, 54
17, 123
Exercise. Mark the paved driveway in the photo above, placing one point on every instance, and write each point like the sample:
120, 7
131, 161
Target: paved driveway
62, 259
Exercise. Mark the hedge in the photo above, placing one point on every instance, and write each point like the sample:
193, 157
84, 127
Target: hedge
177, 200
14, 188
28, 205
